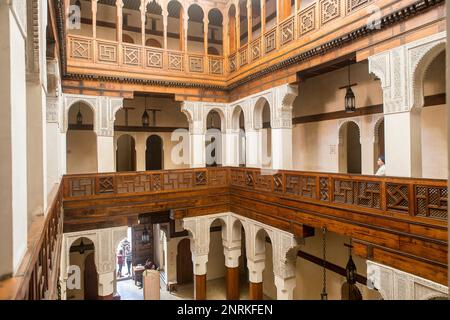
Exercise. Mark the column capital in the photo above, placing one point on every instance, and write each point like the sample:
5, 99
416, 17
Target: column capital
285, 288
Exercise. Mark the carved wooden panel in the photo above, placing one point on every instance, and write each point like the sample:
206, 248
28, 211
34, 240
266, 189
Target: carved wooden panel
270, 41
256, 49
81, 49
82, 187
196, 64
287, 30
175, 61
243, 56
178, 180
154, 58
329, 10
397, 197
218, 177
156, 182
324, 189
360, 193
263, 182
304, 186
106, 52
105, 185
307, 20
237, 177
278, 183
432, 202
201, 178
215, 66
353, 5
131, 55
134, 183
232, 63
249, 179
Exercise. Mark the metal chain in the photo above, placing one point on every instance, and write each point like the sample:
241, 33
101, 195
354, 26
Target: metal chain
324, 294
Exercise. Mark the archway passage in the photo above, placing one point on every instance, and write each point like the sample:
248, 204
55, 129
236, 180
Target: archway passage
215, 32
350, 148
154, 153
126, 154
213, 141
154, 27
175, 26
185, 272
90, 278
81, 140
196, 36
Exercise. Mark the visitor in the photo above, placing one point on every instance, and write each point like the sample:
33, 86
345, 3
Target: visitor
381, 166
128, 259
120, 263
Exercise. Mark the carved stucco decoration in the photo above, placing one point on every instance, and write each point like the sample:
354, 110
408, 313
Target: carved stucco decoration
394, 284
103, 108
402, 70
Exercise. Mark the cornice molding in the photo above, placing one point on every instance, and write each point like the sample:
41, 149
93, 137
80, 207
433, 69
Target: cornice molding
386, 21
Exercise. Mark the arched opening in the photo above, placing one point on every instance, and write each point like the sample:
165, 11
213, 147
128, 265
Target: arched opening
349, 148
215, 32
215, 266
271, 14
175, 26
124, 258
154, 153
106, 20
127, 38
154, 26
262, 122
185, 271
433, 121
379, 147
232, 29
131, 22
196, 36
238, 123
80, 18
243, 22
151, 42
81, 140
126, 153
213, 139
256, 18
82, 260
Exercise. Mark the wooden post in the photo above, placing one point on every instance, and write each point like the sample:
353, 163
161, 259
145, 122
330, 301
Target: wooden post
94, 19
238, 27
232, 279
205, 35
143, 16
249, 21
263, 16
255, 291
200, 287
165, 15
119, 18
182, 38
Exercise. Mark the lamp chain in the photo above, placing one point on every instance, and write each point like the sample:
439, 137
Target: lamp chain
324, 294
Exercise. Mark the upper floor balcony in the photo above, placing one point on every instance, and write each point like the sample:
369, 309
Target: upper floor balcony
214, 43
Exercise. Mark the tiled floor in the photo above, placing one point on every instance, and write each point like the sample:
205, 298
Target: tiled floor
215, 290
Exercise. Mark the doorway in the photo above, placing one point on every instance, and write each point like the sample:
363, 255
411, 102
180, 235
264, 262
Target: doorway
154, 153
185, 272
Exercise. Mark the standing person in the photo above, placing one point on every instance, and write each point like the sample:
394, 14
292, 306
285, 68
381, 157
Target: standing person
120, 263
128, 258
381, 166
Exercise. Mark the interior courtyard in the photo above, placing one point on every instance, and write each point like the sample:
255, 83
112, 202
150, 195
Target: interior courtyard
224, 150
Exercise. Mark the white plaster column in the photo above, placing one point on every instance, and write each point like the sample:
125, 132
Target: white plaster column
253, 147
106, 284
231, 240
105, 154
401, 71
53, 143
200, 233
140, 146
13, 136
194, 113
284, 249
281, 124
231, 148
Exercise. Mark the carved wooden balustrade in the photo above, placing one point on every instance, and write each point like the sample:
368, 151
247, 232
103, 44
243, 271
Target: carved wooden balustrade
38, 275
400, 222
311, 30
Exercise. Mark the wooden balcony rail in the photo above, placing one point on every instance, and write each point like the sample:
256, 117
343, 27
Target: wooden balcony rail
38, 274
423, 198
137, 58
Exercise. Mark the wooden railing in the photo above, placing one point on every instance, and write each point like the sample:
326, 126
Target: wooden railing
423, 198
136, 58
37, 276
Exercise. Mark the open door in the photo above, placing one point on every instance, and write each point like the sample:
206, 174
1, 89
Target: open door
141, 251
185, 272
90, 278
